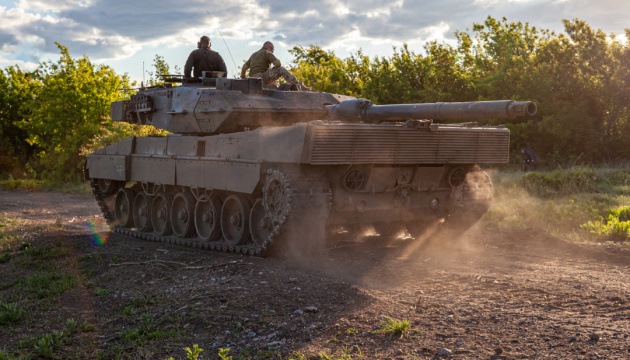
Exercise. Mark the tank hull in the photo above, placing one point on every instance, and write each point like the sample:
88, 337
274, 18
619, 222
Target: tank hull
242, 191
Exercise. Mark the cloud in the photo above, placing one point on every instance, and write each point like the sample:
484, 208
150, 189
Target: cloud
24, 65
7, 39
116, 29
50, 5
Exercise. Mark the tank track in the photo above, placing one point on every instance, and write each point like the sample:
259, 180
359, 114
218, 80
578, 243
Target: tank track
298, 201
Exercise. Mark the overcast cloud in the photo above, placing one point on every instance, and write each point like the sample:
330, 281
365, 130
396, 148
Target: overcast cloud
110, 30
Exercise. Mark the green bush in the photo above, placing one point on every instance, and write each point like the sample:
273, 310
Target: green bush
558, 182
567, 182
616, 227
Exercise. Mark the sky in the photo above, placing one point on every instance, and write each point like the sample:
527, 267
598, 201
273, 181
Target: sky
128, 34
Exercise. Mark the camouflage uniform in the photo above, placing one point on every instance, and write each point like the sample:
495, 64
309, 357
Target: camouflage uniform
259, 63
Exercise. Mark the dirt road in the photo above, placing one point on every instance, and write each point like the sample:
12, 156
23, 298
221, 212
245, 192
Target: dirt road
483, 295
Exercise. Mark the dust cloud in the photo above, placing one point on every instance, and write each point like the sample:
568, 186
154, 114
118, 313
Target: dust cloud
359, 254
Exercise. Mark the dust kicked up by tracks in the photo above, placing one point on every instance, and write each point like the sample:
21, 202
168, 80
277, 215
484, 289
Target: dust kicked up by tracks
500, 295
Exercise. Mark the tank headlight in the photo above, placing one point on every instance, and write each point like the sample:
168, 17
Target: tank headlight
435, 203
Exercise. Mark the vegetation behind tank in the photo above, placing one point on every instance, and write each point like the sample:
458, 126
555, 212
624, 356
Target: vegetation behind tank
589, 127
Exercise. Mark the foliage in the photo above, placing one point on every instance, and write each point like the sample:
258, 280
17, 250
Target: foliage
558, 182
616, 227
27, 184
566, 182
223, 354
160, 67
10, 313
51, 118
18, 89
581, 205
579, 79
395, 328
193, 354
74, 97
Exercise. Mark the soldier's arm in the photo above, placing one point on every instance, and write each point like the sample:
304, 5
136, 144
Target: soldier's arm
189, 64
273, 60
244, 69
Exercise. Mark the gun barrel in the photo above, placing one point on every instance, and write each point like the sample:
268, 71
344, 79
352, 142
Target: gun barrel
363, 110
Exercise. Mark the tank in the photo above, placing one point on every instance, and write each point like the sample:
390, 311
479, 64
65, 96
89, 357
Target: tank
245, 165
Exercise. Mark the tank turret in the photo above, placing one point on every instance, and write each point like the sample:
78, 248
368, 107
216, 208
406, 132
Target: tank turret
246, 166
234, 105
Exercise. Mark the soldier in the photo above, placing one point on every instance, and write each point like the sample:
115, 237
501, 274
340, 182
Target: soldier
529, 159
258, 65
204, 59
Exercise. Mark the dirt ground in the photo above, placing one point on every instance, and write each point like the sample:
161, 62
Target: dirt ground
482, 295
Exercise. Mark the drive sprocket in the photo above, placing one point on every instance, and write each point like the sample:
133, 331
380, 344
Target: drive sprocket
277, 196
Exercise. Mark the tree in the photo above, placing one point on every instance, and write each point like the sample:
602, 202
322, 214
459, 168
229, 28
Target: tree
18, 89
73, 100
161, 68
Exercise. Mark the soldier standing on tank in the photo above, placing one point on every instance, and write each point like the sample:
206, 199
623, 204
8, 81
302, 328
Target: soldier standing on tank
258, 65
204, 59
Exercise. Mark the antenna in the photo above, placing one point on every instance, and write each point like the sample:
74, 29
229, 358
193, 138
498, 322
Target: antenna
228, 49
226, 46
143, 72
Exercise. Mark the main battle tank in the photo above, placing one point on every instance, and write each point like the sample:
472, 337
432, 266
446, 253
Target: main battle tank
245, 164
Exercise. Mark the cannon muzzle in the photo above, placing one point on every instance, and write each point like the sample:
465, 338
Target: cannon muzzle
357, 110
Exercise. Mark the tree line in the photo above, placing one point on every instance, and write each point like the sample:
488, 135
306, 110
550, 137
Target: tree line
580, 80
51, 118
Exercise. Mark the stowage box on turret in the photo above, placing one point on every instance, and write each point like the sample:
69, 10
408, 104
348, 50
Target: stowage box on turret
244, 164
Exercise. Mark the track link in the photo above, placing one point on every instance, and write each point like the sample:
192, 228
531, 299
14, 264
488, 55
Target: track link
298, 201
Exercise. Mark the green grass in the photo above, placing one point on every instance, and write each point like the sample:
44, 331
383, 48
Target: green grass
40, 185
47, 285
26, 184
11, 313
577, 205
148, 331
395, 328
9, 231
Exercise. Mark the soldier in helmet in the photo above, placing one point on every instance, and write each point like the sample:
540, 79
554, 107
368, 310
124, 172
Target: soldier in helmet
204, 59
258, 65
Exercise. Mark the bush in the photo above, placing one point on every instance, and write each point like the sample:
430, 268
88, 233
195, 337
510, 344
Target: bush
616, 227
567, 182
558, 182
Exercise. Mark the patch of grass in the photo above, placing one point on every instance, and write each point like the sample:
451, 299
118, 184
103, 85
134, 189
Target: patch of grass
41, 185
70, 327
395, 328
26, 184
47, 285
86, 327
11, 313
100, 291
223, 354
9, 234
147, 331
616, 227
193, 354
44, 253
568, 182
561, 204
